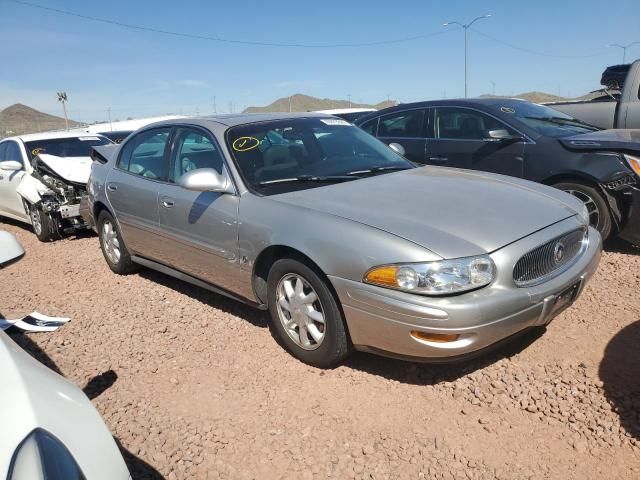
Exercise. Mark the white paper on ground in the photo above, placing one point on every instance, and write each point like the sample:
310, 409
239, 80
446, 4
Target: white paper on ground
34, 322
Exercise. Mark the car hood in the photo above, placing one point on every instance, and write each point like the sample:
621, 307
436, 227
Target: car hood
617, 139
35, 397
452, 212
73, 169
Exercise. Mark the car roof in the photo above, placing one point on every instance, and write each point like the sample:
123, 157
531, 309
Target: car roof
31, 137
235, 119
453, 102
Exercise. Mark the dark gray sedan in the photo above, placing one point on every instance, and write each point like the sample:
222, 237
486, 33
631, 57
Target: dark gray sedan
345, 242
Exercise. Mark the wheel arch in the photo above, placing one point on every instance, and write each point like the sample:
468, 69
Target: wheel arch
610, 199
271, 254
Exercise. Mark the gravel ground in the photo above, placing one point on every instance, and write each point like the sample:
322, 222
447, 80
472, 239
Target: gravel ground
192, 384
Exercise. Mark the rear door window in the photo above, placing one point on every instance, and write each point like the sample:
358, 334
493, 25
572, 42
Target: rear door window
144, 154
407, 124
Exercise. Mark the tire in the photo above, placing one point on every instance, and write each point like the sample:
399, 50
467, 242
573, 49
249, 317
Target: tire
599, 214
113, 248
44, 226
301, 338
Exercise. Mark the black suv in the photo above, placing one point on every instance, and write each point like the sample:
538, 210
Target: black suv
526, 140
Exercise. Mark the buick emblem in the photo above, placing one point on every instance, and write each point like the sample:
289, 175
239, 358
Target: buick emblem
558, 252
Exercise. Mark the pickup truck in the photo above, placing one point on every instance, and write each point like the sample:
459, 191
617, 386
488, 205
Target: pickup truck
618, 106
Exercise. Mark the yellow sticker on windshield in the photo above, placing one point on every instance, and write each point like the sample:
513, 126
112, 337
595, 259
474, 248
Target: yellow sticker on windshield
243, 144
37, 151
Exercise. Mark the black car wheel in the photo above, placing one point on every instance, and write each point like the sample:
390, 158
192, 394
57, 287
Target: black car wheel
599, 215
306, 318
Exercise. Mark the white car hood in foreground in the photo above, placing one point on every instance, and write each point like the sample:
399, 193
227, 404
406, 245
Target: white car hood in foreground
73, 169
35, 397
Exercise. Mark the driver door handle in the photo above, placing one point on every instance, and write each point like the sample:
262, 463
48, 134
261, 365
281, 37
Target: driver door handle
168, 203
438, 159
112, 187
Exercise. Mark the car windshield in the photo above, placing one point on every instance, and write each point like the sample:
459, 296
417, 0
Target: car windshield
545, 120
284, 155
65, 147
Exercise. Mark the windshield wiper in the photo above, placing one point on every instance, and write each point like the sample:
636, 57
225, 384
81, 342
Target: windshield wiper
564, 121
377, 170
310, 178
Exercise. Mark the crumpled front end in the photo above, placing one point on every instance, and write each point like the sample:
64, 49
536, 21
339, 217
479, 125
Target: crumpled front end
46, 190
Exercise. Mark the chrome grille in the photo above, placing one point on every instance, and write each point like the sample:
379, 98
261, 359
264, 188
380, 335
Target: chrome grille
549, 259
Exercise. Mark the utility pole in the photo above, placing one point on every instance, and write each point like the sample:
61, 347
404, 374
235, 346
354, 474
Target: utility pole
349, 96
215, 107
62, 97
109, 114
465, 27
624, 49
289, 103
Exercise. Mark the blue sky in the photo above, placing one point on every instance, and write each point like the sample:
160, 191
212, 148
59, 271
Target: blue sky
138, 73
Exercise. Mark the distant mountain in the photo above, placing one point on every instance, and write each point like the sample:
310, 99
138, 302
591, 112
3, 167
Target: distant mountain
19, 119
306, 103
542, 97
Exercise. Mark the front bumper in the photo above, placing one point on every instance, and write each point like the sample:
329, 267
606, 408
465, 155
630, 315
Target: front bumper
631, 228
381, 320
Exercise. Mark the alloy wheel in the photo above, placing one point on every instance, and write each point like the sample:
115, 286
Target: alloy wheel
300, 311
110, 242
35, 221
592, 206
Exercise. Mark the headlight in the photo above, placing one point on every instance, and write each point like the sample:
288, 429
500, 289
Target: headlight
634, 163
43, 456
435, 278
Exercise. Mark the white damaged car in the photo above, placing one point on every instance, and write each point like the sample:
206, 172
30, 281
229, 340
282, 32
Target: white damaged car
43, 176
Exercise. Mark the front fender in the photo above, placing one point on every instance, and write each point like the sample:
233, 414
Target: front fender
31, 189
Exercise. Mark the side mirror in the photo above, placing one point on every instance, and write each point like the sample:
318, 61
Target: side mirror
10, 165
10, 249
501, 135
396, 147
206, 180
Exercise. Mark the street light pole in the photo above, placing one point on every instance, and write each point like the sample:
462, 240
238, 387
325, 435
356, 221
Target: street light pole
465, 27
62, 97
624, 49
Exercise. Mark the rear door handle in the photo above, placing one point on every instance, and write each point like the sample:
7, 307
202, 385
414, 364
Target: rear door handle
112, 187
168, 203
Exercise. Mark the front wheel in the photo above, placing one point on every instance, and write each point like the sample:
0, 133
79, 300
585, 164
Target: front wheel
599, 216
305, 315
44, 225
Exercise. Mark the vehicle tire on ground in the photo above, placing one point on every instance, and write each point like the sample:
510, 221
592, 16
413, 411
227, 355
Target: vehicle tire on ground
306, 317
599, 214
44, 225
113, 248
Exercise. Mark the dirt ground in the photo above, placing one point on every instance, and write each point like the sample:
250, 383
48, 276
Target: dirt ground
192, 385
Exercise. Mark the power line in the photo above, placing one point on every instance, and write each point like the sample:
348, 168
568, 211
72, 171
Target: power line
221, 39
534, 52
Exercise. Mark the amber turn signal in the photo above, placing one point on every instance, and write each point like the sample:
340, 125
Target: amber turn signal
383, 276
435, 337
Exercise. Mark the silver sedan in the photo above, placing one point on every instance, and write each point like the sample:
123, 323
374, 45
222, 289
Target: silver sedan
345, 242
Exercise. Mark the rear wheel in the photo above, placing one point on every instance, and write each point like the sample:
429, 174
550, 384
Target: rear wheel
112, 246
44, 226
305, 315
599, 216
